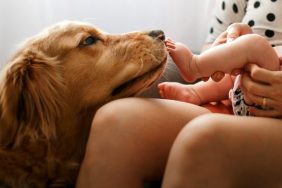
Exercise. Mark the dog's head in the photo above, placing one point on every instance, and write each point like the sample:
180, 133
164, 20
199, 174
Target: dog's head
72, 67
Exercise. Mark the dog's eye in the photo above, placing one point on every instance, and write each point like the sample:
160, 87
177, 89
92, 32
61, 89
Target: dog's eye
89, 41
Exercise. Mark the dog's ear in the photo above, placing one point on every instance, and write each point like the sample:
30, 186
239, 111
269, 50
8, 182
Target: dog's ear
32, 94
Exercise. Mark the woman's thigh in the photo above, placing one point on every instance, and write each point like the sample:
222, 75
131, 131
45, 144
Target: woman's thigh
130, 139
254, 148
247, 150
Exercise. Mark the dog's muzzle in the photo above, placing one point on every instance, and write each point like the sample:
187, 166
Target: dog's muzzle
157, 34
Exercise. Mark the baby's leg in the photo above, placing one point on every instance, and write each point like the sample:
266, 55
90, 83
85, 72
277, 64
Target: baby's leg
246, 49
180, 92
181, 56
199, 93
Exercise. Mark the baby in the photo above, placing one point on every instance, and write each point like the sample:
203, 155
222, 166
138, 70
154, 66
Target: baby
249, 48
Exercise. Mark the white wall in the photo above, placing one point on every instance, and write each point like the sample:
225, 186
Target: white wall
183, 20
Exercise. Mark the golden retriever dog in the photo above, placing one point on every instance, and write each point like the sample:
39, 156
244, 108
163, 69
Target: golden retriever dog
51, 88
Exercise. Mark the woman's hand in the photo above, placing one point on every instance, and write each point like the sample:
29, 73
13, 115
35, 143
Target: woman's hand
264, 88
234, 31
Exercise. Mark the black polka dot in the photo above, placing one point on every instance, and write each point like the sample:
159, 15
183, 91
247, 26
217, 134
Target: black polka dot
273, 0
223, 5
235, 8
218, 20
269, 33
251, 23
211, 30
270, 17
257, 4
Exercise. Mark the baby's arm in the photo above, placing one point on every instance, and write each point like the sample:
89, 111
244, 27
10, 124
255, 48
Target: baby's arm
249, 48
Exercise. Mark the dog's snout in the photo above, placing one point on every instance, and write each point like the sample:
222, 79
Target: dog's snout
157, 34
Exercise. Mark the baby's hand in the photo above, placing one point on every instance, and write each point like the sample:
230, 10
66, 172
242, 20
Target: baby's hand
180, 92
234, 31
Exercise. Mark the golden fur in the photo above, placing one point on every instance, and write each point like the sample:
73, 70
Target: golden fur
50, 90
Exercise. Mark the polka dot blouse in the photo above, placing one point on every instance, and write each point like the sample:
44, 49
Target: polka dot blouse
264, 16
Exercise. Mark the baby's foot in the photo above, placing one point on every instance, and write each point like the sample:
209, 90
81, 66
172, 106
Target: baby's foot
183, 58
180, 92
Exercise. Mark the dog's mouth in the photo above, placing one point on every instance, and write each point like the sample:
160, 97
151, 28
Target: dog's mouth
143, 81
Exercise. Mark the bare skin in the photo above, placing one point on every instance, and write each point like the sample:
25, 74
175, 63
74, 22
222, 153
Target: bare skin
136, 140
238, 52
121, 154
208, 153
129, 146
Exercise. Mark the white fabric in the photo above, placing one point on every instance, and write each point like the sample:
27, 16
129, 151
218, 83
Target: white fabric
255, 11
183, 20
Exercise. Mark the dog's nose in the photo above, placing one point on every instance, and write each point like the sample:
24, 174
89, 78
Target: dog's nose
157, 34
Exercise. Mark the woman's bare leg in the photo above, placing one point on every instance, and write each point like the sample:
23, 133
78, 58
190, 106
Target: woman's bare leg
130, 141
223, 151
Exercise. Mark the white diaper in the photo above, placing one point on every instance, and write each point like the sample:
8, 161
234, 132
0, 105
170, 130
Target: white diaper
236, 96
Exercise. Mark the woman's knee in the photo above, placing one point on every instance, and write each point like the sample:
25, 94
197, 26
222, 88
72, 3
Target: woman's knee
109, 116
106, 127
197, 155
203, 136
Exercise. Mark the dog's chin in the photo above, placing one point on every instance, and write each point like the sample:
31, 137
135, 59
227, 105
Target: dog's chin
138, 84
